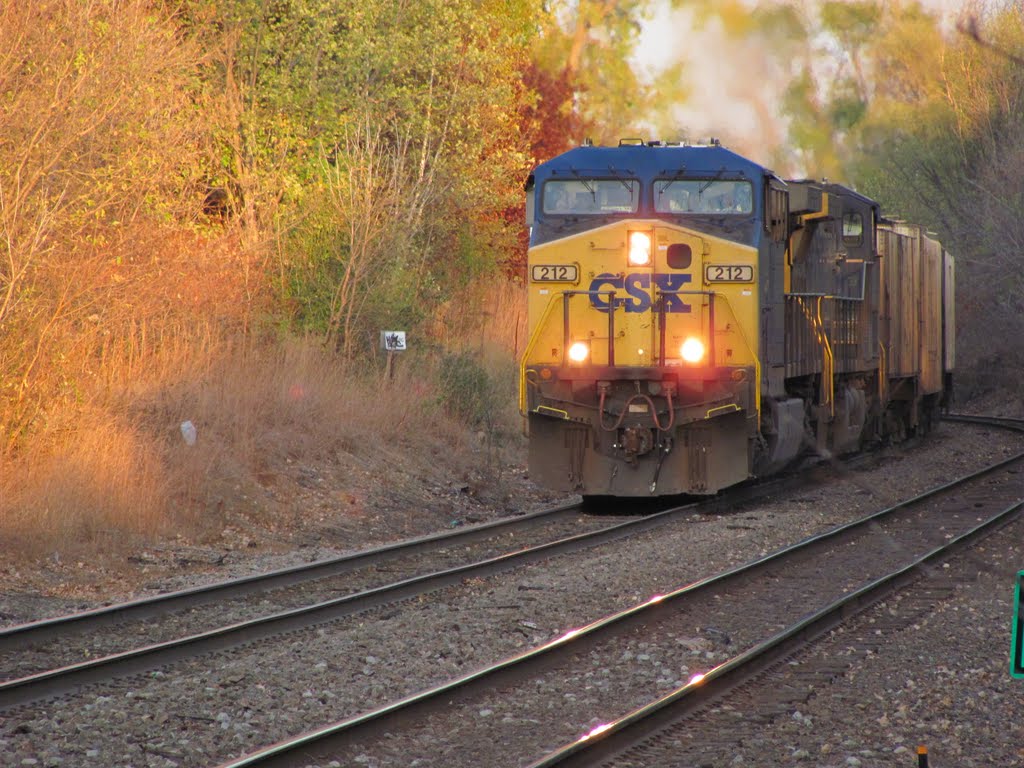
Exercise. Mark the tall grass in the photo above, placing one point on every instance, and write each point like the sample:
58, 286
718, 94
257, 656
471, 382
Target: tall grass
103, 480
122, 466
160, 333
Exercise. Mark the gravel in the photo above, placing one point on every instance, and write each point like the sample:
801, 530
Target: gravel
942, 682
200, 713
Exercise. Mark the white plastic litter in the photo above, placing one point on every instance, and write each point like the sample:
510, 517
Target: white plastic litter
188, 432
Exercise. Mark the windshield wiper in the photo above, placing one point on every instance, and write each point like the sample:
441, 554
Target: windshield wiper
710, 181
621, 180
675, 177
584, 182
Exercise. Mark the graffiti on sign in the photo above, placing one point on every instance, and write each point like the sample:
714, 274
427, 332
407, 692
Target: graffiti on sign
392, 341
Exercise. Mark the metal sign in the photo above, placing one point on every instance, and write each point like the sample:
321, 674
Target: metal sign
554, 273
1017, 645
392, 341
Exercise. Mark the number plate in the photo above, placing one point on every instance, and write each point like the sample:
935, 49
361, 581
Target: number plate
554, 273
728, 273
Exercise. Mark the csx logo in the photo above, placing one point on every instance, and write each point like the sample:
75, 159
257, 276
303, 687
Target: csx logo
637, 286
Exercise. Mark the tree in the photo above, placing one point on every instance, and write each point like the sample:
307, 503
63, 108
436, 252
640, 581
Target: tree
833, 65
99, 133
419, 102
588, 45
946, 148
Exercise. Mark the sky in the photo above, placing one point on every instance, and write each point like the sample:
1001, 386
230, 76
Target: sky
734, 98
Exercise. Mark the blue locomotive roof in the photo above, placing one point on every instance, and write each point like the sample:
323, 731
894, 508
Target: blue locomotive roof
648, 162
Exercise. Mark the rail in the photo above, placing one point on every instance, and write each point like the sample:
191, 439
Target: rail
333, 740
637, 728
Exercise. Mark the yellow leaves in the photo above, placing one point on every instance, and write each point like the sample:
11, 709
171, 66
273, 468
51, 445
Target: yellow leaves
80, 61
736, 17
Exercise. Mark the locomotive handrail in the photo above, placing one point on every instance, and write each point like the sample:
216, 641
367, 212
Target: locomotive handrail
542, 324
816, 321
757, 362
831, 336
828, 393
883, 381
565, 296
711, 320
711, 349
526, 354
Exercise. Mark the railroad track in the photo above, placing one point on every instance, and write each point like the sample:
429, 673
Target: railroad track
88, 622
1001, 422
44, 658
788, 596
145, 634
227, 670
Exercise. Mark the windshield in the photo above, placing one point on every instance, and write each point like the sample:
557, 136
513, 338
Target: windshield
703, 196
590, 196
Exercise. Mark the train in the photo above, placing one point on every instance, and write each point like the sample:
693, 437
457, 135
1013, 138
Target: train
696, 321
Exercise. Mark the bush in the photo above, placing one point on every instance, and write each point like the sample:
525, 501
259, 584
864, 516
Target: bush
467, 392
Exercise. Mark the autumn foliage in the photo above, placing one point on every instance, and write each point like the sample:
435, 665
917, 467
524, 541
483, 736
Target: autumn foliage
349, 194
210, 208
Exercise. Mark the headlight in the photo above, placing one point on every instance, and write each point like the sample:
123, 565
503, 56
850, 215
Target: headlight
692, 350
639, 249
578, 352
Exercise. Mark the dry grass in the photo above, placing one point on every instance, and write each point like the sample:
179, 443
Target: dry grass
121, 466
104, 480
488, 318
164, 336
488, 322
294, 398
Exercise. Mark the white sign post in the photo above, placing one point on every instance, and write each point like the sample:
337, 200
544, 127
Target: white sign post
391, 342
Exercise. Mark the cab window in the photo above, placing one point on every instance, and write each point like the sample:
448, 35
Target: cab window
703, 196
853, 228
591, 196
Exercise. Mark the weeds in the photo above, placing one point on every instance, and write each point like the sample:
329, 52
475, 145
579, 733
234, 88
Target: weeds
120, 466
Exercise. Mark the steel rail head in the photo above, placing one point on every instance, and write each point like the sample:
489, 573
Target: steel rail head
12, 638
613, 738
296, 752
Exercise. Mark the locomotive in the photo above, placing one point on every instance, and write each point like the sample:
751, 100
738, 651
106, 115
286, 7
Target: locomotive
696, 321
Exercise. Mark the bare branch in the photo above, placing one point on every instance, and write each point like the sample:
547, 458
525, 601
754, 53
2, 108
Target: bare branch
968, 25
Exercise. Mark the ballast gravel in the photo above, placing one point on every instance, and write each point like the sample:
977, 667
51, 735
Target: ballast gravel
205, 711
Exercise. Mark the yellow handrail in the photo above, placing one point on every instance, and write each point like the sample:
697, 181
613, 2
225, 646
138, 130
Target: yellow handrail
750, 349
529, 349
827, 364
543, 322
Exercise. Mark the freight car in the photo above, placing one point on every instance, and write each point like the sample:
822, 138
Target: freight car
695, 321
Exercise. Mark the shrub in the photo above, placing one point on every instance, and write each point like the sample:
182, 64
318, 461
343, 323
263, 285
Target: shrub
467, 392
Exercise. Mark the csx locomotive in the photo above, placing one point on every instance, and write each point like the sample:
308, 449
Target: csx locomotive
695, 321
